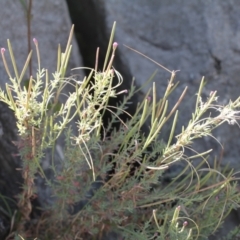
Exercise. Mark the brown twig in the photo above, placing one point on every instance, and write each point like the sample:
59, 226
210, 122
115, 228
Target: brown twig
29, 17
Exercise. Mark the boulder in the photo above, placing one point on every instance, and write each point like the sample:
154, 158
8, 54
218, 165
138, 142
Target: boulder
199, 39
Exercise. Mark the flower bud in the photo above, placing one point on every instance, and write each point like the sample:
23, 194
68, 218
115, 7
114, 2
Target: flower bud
115, 44
149, 98
185, 223
35, 41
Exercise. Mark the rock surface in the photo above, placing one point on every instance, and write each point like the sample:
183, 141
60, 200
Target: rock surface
199, 38
50, 25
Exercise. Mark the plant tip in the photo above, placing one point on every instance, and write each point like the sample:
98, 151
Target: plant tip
35, 41
112, 72
185, 223
3, 50
212, 92
115, 44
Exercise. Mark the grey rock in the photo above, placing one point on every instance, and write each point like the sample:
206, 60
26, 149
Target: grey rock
199, 38
50, 25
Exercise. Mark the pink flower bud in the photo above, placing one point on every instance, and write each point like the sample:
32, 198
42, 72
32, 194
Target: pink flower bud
35, 41
212, 92
185, 223
3, 50
115, 44
149, 98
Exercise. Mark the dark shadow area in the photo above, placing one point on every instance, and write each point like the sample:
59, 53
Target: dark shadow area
10, 178
91, 32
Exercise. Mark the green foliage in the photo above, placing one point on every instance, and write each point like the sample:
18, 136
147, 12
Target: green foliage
135, 201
